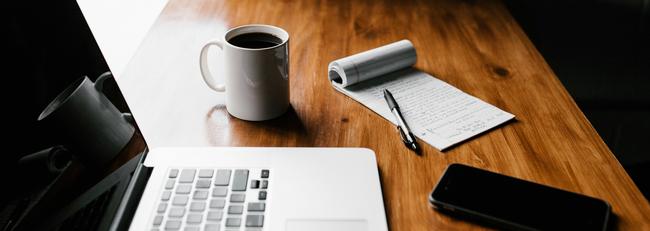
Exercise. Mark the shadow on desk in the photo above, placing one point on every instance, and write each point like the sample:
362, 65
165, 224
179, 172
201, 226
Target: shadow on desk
611, 224
286, 130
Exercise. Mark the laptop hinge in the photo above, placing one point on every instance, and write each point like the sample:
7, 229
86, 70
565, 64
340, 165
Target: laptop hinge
131, 199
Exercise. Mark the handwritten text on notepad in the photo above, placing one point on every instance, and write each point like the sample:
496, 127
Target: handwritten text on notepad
437, 112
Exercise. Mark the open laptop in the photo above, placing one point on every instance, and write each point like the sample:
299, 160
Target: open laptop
201, 188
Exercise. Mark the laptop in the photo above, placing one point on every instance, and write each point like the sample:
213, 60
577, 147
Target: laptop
202, 188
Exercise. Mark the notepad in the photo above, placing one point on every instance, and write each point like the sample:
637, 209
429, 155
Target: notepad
437, 113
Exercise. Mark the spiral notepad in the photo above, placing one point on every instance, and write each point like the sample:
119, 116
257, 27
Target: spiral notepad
438, 113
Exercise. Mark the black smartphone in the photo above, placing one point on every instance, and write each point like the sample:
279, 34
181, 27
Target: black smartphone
515, 204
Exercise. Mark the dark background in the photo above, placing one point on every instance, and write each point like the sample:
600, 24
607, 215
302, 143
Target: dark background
600, 50
44, 49
45, 46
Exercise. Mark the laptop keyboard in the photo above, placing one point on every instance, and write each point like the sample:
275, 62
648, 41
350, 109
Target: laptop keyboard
212, 200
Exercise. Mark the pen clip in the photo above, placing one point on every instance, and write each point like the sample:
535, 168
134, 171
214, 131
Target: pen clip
402, 135
410, 143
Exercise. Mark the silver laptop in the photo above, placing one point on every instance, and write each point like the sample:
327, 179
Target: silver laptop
261, 189
209, 188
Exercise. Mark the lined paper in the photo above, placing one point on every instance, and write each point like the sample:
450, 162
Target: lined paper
437, 113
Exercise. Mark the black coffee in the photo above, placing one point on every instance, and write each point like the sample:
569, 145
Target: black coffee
255, 40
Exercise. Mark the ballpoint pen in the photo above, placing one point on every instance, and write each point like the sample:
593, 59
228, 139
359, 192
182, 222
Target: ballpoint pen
404, 131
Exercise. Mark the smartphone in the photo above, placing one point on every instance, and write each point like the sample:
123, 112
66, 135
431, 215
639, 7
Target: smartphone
515, 204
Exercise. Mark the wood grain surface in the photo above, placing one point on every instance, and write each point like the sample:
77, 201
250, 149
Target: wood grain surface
476, 46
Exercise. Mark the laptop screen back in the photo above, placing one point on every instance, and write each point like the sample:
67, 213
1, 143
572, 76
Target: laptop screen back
48, 47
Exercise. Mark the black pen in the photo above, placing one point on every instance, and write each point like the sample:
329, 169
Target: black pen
404, 131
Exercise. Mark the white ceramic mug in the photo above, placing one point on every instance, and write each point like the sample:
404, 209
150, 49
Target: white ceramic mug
90, 126
256, 81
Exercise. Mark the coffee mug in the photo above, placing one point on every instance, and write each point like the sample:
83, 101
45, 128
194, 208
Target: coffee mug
90, 126
256, 80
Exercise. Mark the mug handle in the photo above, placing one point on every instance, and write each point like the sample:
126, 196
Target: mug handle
99, 86
128, 117
99, 83
205, 72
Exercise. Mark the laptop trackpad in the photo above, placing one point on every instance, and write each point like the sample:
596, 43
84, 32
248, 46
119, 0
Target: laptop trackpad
327, 225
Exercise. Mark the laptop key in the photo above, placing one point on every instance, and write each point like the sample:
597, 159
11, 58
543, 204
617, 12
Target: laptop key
197, 206
254, 220
255, 184
265, 173
158, 220
217, 203
200, 195
203, 183
256, 206
237, 197
170, 184
206, 173
162, 207
194, 218
173, 173
180, 200
172, 225
211, 227
233, 222
192, 228
262, 195
223, 177
265, 184
235, 209
215, 215
187, 176
166, 195
219, 192
240, 180
176, 212
183, 189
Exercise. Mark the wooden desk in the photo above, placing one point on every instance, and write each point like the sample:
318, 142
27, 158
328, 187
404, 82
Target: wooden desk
474, 45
